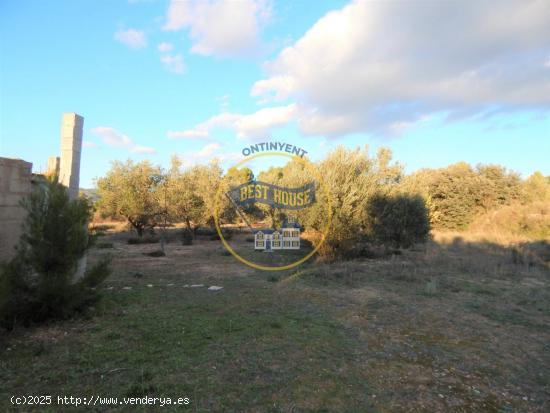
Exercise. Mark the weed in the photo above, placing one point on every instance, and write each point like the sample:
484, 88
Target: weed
431, 287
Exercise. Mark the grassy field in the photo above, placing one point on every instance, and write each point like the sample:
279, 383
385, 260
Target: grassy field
453, 326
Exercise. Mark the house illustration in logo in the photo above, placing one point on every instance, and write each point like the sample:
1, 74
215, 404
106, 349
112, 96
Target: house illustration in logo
287, 238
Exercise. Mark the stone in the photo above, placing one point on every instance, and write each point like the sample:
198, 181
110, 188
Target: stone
214, 288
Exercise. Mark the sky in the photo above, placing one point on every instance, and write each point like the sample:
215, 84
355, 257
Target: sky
437, 82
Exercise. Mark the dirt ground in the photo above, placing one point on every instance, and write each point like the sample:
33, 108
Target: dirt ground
452, 326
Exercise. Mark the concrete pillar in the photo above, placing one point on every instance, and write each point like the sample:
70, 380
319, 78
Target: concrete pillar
53, 165
71, 147
69, 166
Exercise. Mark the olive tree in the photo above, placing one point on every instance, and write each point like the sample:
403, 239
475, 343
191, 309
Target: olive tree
350, 177
183, 200
130, 190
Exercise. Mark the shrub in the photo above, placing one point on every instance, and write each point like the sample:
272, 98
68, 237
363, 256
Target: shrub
227, 234
398, 220
143, 240
38, 283
530, 220
186, 237
205, 231
457, 193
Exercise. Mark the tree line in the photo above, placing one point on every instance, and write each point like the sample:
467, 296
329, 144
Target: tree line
372, 199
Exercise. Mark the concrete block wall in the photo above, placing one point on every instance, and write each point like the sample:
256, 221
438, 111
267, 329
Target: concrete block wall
15, 184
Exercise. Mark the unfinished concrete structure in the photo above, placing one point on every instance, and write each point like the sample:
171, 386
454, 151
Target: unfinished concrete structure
53, 165
17, 181
71, 148
15, 185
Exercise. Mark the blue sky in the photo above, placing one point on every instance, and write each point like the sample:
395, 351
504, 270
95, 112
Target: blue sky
437, 82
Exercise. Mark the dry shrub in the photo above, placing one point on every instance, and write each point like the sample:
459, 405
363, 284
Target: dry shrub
143, 240
530, 220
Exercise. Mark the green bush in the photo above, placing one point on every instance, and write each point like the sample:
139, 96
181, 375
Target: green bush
458, 193
38, 283
398, 221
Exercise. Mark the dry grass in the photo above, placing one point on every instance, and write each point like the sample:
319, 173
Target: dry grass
514, 222
456, 325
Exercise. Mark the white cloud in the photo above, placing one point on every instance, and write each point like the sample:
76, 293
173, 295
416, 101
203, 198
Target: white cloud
281, 85
174, 63
202, 130
253, 126
208, 150
132, 38
165, 47
111, 136
114, 138
220, 27
178, 15
382, 66
259, 124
